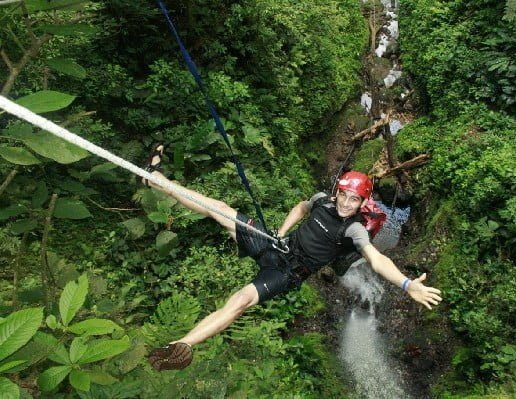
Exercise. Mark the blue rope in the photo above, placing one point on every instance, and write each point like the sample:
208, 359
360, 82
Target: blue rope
211, 108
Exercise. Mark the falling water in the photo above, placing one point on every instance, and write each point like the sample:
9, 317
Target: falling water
364, 350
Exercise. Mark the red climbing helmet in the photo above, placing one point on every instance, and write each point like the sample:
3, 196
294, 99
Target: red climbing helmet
357, 182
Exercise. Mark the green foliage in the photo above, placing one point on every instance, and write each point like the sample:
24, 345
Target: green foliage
467, 47
72, 299
45, 101
471, 182
67, 67
174, 317
209, 274
18, 156
15, 331
67, 208
368, 154
45, 144
83, 350
276, 70
461, 58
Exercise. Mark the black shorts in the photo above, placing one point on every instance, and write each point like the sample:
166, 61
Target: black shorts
274, 277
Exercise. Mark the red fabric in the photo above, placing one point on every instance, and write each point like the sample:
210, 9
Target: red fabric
357, 182
374, 217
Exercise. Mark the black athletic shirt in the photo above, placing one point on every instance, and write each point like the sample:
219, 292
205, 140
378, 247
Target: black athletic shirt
316, 239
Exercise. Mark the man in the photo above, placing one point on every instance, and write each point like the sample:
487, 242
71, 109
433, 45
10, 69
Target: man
333, 229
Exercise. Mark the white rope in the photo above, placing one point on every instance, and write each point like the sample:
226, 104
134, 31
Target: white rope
45, 124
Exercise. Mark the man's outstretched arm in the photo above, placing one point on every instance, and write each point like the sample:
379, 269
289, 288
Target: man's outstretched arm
296, 214
386, 268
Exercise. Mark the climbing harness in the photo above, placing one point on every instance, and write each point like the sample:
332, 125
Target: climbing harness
281, 244
211, 108
49, 126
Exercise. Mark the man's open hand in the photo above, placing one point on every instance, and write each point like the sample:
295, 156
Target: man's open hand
423, 294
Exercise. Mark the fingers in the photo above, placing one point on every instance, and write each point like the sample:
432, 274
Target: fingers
435, 296
433, 290
426, 305
421, 278
432, 301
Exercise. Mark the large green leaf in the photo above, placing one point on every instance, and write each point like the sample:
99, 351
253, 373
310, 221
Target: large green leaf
18, 130
165, 241
5, 367
67, 208
158, 217
80, 380
23, 226
101, 378
50, 146
104, 348
8, 389
18, 156
12, 211
45, 101
94, 327
130, 359
51, 378
67, 67
77, 349
41, 346
17, 329
72, 298
72, 186
46, 144
68, 29
55, 349
136, 227
105, 171
60, 354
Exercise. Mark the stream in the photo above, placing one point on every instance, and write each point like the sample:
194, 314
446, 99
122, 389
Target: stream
364, 350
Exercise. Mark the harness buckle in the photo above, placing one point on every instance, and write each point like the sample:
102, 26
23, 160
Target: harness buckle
281, 245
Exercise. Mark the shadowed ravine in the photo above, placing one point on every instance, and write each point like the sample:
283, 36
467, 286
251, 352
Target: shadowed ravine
364, 350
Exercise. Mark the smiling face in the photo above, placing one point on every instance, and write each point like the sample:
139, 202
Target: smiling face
348, 203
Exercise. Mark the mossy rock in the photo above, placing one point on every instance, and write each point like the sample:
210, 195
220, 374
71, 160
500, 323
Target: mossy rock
354, 115
380, 70
368, 154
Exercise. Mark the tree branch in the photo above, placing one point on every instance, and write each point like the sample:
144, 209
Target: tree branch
7, 60
17, 269
373, 128
111, 209
8, 179
46, 274
77, 117
410, 164
29, 54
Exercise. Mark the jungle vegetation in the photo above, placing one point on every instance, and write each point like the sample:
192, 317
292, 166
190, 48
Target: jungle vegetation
461, 57
96, 268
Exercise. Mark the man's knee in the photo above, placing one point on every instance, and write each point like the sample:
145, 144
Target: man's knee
244, 299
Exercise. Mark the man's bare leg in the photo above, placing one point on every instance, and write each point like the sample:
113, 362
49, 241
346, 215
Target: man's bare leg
221, 319
228, 224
